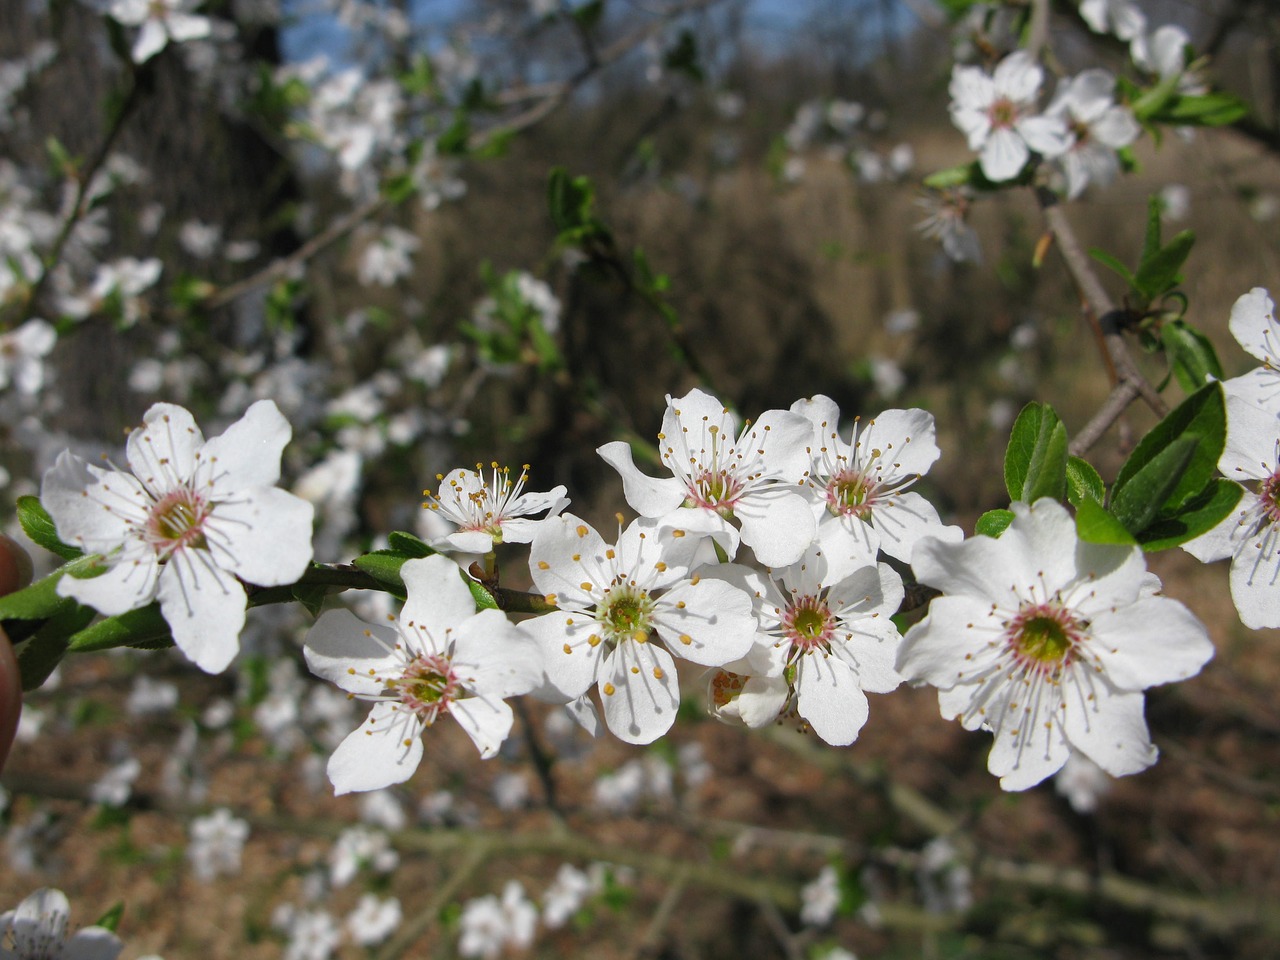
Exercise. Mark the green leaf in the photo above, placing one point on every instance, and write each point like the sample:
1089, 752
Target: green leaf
483, 598
1199, 515
111, 919
453, 142
311, 596
1191, 355
952, 177
1155, 220
683, 57
1138, 502
1035, 462
1215, 109
408, 544
1202, 415
1159, 273
1095, 525
384, 566
589, 14
39, 656
1107, 260
993, 523
137, 628
39, 526
40, 600
1083, 482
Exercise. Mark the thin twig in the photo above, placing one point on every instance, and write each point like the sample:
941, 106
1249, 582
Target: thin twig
1109, 320
549, 96
412, 931
648, 944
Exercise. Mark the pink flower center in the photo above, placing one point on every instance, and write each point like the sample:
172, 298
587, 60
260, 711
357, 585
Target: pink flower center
1044, 636
716, 490
808, 623
427, 686
1002, 113
176, 522
849, 494
1270, 496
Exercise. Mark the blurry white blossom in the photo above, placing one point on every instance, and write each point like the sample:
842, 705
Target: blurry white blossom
820, 898
217, 841
373, 920
489, 927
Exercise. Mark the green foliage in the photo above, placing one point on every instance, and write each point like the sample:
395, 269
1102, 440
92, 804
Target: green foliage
1083, 482
39, 526
144, 627
111, 919
1159, 267
993, 523
409, 544
683, 57
1192, 358
1035, 462
1095, 525
1166, 493
589, 15
39, 656
571, 201
1202, 417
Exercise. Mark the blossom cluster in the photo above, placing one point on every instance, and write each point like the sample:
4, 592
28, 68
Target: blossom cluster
770, 556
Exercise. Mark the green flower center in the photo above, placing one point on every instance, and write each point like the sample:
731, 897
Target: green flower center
1045, 634
427, 686
628, 614
808, 623
177, 521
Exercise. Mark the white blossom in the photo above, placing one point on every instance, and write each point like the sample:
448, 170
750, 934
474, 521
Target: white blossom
820, 898
216, 844
373, 920
22, 353
997, 114
37, 930
1250, 534
861, 487
490, 511
160, 21
1048, 642
489, 927
191, 522
624, 609
1097, 127
721, 474
439, 657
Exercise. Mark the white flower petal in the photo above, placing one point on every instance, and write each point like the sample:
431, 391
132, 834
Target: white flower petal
204, 607
384, 750
1253, 324
162, 452
639, 692
354, 655
1153, 641
487, 722
131, 582
1112, 732
830, 698
646, 495
777, 524
713, 615
438, 601
264, 537
247, 454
